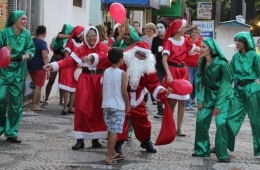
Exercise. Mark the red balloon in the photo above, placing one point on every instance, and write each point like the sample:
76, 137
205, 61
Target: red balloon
5, 57
117, 12
182, 86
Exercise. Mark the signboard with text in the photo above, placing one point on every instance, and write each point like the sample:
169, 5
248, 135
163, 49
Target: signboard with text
207, 28
174, 11
204, 10
3, 14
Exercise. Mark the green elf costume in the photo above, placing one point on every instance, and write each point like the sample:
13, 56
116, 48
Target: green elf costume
213, 89
245, 68
12, 77
135, 38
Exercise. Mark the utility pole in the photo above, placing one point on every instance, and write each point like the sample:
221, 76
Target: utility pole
218, 12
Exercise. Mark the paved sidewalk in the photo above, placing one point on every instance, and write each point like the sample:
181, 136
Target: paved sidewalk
47, 141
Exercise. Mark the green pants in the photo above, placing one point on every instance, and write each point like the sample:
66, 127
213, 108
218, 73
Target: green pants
11, 115
202, 142
240, 105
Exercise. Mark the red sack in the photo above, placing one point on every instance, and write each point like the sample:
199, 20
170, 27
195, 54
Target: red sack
168, 129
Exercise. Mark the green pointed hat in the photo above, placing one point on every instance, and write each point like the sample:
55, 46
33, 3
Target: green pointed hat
13, 18
214, 48
246, 36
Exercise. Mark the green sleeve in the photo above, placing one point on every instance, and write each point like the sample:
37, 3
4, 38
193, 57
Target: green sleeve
224, 86
116, 43
200, 88
29, 47
134, 35
2, 39
257, 65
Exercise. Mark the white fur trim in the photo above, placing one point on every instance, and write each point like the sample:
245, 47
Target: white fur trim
76, 58
96, 60
166, 52
67, 88
133, 102
77, 44
80, 34
184, 24
55, 66
86, 30
179, 97
146, 51
116, 26
160, 49
193, 48
177, 43
90, 135
156, 91
68, 49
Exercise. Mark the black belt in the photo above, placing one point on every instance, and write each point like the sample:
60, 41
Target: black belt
128, 90
176, 64
97, 71
16, 60
244, 82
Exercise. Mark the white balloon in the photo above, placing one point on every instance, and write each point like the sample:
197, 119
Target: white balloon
77, 73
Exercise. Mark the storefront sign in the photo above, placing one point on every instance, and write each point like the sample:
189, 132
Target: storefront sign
3, 13
174, 11
204, 10
207, 28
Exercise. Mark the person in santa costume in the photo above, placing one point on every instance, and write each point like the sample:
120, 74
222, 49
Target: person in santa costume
139, 65
175, 47
88, 114
67, 82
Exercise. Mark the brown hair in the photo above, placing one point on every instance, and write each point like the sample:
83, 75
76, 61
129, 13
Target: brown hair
102, 32
151, 26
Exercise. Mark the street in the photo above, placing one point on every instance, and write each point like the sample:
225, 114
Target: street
47, 138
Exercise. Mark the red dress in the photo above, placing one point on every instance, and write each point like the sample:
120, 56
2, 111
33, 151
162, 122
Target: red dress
176, 51
88, 114
138, 114
66, 80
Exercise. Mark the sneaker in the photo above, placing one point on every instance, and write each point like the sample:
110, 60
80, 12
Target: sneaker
188, 108
159, 114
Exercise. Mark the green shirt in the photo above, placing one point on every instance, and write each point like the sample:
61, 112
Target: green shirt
246, 67
214, 87
20, 45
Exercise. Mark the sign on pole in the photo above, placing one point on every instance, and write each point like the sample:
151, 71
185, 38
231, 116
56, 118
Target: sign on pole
207, 28
204, 10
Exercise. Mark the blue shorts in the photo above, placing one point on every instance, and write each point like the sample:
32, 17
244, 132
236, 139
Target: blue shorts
114, 119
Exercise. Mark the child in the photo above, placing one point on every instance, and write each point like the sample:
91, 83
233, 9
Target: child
245, 66
115, 101
213, 88
175, 47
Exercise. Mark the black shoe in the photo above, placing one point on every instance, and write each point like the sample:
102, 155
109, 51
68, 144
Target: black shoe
64, 112
212, 150
71, 112
79, 145
195, 155
14, 140
226, 160
148, 145
159, 114
96, 144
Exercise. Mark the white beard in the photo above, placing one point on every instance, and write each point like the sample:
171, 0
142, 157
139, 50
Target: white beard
137, 68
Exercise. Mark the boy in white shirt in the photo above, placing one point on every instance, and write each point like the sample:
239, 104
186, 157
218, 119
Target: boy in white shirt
115, 102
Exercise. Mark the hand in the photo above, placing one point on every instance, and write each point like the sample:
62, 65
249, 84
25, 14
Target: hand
128, 108
78, 66
199, 106
217, 110
25, 56
168, 92
48, 75
9, 48
169, 79
47, 67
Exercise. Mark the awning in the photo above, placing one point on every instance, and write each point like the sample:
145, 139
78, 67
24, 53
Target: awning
136, 3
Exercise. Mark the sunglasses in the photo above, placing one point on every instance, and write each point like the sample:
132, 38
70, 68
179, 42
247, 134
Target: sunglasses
91, 35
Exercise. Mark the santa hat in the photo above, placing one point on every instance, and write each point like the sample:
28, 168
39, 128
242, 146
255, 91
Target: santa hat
77, 32
86, 30
140, 46
116, 26
174, 27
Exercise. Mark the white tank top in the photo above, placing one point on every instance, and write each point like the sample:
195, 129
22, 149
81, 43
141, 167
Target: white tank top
112, 91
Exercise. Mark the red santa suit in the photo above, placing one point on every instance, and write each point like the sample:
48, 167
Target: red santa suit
67, 81
176, 51
141, 74
88, 115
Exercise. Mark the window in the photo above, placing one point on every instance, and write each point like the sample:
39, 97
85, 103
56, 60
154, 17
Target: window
77, 3
32, 9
